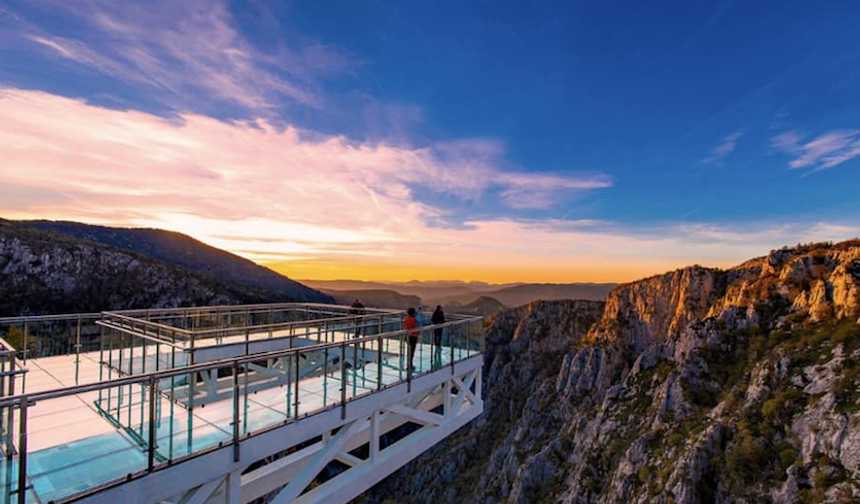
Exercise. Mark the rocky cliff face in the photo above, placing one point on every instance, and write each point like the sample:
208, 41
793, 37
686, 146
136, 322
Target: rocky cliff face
43, 272
699, 385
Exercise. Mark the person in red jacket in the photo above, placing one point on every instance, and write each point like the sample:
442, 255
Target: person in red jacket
410, 324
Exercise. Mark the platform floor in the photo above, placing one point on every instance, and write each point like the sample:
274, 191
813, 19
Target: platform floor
72, 446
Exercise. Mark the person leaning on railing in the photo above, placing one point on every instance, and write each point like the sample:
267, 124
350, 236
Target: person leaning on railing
410, 324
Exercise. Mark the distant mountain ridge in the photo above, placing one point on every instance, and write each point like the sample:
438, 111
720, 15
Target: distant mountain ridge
454, 293
519, 295
185, 251
43, 272
375, 298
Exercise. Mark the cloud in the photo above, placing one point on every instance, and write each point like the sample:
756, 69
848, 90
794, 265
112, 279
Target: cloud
822, 152
183, 50
726, 147
535, 191
312, 204
107, 160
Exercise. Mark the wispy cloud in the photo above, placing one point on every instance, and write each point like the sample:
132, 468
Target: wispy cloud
726, 147
190, 50
822, 152
536, 190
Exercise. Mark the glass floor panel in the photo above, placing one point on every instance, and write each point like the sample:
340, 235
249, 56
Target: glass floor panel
73, 447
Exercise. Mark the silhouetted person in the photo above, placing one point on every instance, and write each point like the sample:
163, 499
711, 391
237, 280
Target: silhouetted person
438, 318
357, 309
410, 324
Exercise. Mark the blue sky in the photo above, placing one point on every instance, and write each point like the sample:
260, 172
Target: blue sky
725, 126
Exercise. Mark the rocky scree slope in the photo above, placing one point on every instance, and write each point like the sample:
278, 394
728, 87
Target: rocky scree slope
698, 385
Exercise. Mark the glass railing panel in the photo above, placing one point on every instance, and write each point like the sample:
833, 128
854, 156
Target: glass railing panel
267, 392
394, 359
70, 449
194, 412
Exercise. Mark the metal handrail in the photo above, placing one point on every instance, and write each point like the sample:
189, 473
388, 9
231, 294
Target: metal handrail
215, 364
239, 330
45, 318
244, 308
135, 320
20, 402
127, 315
7, 348
285, 325
126, 330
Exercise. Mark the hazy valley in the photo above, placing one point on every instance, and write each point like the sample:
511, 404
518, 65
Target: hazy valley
466, 297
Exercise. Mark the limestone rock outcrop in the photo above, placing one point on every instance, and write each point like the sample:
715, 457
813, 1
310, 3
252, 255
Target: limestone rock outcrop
696, 386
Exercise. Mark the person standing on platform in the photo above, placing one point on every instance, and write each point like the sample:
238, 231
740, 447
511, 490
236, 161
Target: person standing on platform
357, 309
411, 324
437, 319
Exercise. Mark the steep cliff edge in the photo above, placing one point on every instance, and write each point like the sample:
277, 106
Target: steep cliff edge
699, 385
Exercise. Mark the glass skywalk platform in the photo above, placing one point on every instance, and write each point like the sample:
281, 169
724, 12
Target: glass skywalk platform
122, 395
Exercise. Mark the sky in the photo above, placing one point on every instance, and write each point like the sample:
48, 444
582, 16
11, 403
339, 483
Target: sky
582, 141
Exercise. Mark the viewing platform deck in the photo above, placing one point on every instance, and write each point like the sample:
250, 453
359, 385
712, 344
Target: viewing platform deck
226, 404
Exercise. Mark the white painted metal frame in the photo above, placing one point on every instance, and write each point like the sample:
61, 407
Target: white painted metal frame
223, 475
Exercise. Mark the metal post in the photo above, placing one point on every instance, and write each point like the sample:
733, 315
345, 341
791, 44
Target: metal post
26, 346
10, 436
247, 423
236, 412
453, 334
110, 367
379, 361
22, 453
343, 381
354, 369
101, 358
325, 376
296, 385
151, 448
77, 350
192, 381
157, 348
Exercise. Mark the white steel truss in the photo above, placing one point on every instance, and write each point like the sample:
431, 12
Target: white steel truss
283, 462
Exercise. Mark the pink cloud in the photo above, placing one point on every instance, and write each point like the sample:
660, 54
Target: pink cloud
108, 160
272, 194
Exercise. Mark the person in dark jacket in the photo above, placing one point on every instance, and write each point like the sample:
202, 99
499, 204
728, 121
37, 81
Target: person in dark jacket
357, 309
438, 318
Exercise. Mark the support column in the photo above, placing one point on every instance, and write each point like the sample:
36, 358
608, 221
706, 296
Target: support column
374, 437
234, 488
